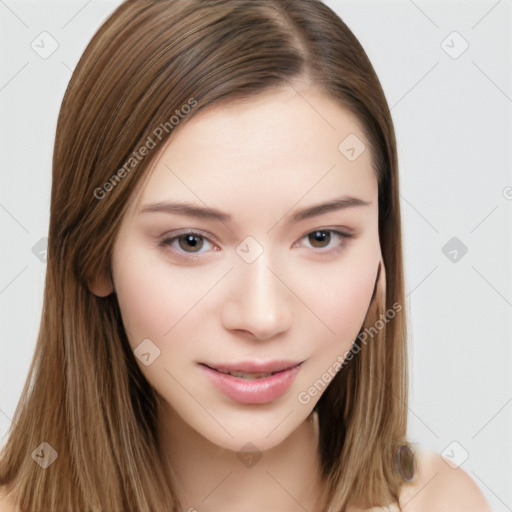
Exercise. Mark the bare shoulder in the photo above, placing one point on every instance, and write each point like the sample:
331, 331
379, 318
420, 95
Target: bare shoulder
440, 487
6, 503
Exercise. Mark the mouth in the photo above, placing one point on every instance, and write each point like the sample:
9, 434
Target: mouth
247, 376
253, 370
252, 382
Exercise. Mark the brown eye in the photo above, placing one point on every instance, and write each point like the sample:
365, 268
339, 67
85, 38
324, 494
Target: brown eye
190, 241
189, 244
326, 241
319, 239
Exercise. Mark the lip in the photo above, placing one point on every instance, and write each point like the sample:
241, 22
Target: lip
277, 365
255, 391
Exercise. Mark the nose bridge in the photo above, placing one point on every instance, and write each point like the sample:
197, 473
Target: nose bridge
258, 302
260, 283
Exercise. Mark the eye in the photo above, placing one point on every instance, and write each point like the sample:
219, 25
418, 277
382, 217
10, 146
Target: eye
322, 238
190, 242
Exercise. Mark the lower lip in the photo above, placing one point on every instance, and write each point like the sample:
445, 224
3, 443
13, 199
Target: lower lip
256, 391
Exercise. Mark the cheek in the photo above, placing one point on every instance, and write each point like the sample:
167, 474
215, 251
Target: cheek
349, 297
156, 300
139, 302
340, 295
154, 304
150, 300
345, 291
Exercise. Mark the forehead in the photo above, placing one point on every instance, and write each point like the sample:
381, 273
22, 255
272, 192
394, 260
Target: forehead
272, 149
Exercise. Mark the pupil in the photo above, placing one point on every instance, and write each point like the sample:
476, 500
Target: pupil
192, 241
319, 237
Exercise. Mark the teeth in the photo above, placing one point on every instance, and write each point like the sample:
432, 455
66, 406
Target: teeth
248, 376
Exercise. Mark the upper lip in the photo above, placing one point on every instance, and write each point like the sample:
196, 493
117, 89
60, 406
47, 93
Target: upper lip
255, 366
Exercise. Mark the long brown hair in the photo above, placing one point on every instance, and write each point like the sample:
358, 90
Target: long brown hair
85, 395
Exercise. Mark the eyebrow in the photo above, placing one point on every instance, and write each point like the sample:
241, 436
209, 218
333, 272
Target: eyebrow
193, 210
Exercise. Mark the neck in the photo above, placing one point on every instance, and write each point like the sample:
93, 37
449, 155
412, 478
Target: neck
210, 478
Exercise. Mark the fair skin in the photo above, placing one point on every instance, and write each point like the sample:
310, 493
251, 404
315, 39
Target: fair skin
303, 299
295, 301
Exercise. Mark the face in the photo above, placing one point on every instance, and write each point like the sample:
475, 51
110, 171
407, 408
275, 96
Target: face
250, 278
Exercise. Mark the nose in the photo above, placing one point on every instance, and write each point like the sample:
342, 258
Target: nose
258, 302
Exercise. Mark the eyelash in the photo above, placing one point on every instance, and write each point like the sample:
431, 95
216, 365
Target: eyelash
166, 242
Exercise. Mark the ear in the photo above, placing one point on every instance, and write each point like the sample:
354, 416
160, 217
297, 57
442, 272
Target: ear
101, 284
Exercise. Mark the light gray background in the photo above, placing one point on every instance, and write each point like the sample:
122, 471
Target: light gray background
453, 120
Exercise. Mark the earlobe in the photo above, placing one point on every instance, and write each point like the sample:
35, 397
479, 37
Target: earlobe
101, 284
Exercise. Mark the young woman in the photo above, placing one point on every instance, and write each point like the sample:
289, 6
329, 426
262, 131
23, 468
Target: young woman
223, 325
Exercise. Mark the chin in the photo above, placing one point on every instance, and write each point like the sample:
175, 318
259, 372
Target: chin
257, 428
